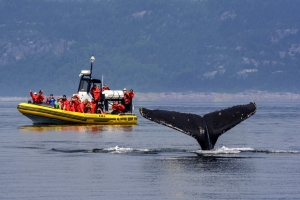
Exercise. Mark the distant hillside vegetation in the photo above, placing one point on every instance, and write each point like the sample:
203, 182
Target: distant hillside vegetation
150, 46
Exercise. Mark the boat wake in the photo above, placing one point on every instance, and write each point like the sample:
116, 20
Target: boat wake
215, 152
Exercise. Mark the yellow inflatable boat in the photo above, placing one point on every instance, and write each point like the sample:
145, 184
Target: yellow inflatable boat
45, 114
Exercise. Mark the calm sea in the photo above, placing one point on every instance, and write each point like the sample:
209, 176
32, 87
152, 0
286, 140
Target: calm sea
258, 159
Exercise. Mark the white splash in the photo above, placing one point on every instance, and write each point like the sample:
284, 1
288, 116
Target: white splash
225, 150
120, 150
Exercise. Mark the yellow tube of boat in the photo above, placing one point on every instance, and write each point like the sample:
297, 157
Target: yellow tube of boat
43, 114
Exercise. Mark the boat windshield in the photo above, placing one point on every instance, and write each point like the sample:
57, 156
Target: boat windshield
84, 85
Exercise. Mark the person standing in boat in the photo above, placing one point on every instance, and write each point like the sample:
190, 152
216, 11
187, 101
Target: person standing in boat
105, 87
95, 91
128, 100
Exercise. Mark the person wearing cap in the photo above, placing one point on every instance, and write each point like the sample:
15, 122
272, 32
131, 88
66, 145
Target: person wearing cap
37, 98
33, 96
95, 91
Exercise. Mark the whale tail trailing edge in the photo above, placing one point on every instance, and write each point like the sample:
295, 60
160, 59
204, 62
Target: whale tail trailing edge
207, 129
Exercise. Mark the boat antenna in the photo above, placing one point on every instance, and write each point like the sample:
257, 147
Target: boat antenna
92, 59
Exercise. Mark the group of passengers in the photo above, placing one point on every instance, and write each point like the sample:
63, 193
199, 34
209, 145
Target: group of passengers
93, 106
76, 105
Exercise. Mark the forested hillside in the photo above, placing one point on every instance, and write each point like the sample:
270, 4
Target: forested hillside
150, 46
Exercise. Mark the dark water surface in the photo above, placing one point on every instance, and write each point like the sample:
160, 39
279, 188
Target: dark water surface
258, 159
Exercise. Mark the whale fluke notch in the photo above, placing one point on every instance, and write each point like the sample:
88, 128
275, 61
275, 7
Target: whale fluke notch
207, 129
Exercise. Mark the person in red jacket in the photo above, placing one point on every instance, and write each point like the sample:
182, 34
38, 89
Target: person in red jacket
85, 106
114, 108
37, 98
95, 91
70, 106
76, 103
105, 87
88, 107
64, 103
94, 106
128, 100
33, 96
121, 108
117, 108
40, 96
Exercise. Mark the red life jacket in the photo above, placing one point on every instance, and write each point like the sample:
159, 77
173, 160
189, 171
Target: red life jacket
128, 97
82, 107
96, 92
121, 108
65, 104
77, 107
88, 108
34, 97
105, 88
40, 98
115, 106
93, 104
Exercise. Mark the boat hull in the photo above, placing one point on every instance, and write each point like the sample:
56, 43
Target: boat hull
44, 114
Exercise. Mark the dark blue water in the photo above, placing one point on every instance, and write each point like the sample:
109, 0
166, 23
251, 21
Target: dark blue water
258, 159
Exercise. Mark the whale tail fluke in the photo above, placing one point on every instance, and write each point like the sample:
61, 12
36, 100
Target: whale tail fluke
207, 129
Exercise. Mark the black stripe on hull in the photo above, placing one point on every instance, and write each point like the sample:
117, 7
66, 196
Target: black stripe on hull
46, 120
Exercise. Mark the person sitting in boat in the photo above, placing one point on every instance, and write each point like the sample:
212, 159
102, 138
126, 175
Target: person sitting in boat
114, 107
76, 103
95, 91
71, 106
82, 105
117, 108
64, 103
105, 87
88, 107
121, 108
127, 102
57, 102
99, 108
37, 98
94, 105
50, 100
